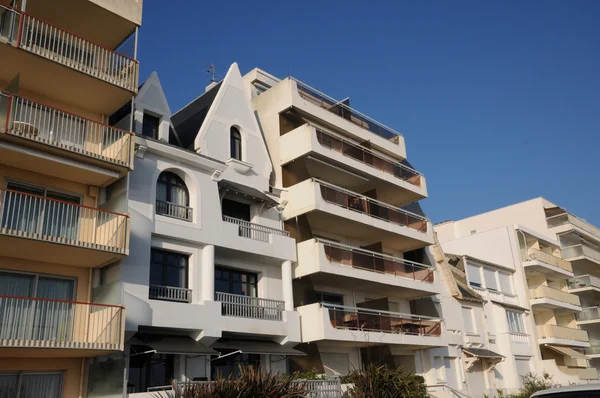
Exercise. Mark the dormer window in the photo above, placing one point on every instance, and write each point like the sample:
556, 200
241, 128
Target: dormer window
235, 141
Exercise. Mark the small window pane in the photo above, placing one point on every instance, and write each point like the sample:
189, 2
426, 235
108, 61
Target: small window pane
468, 319
474, 274
490, 279
505, 283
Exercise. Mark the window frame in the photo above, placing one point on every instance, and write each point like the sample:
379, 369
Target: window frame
165, 266
517, 320
21, 373
471, 317
235, 143
158, 119
230, 280
179, 183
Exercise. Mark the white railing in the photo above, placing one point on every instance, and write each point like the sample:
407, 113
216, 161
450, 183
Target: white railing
52, 126
43, 323
170, 293
583, 281
174, 210
588, 314
250, 307
494, 295
51, 42
329, 388
254, 231
536, 254
518, 337
51, 220
546, 292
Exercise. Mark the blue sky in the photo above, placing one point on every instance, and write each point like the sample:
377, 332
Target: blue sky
499, 102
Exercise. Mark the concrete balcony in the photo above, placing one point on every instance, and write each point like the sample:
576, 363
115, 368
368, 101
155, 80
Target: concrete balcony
43, 229
582, 252
588, 315
548, 264
327, 156
360, 217
60, 143
547, 298
350, 267
80, 329
566, 221
495, 295
560, 335
593, 351
584, 284
362, 327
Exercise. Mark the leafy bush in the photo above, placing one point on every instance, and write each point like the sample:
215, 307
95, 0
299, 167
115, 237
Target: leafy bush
313, 374
533, 383
383, 382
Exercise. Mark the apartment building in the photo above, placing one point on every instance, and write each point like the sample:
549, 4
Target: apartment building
63, 188
361, 284
208, 283
531, 250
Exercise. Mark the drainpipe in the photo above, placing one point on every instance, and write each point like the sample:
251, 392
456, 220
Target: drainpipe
81, 375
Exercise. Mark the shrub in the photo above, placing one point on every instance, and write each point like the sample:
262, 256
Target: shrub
313, 374
383, 382
533, 383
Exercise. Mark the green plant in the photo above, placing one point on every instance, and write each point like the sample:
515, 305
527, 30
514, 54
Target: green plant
313, 374
383, 382
533, 383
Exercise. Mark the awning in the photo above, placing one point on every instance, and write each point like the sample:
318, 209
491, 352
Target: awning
255, 347
171, 344
482, 353
511, 306
566, 351
253, 193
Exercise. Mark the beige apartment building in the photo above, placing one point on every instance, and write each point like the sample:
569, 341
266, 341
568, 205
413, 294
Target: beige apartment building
63, 187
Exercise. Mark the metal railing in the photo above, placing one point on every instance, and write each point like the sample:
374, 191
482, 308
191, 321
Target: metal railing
371, 207
250, 307
329, 388
536, 254
583, 281
174, 210
354, 318
52, 126
588, 314
51, 42
495, 295
561, 332
170, 293
369, 157
343, 110
546, 292
51, 220
44, 323
376, 262
250, 230
581, 250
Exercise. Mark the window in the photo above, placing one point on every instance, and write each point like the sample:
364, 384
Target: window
489, 275
330, 298
168, 269
149, 369
229, 364
150, 126
505, 282
172, 197
234, 209
235, 141
515, 322
31, 384
468, 320
474, 273
235, 282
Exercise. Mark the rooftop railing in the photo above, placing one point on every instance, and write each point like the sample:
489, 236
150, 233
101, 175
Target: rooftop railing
546, 292
170, 293
254, 231
250, 307
561, 332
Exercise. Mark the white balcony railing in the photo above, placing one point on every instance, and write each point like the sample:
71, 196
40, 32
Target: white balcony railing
250, 307
588, 314
495, 295
519, 337
170, 293
583, 281
54, 127
536, 254
43, 323
51, 220
546, 292
254, 231
174, 210
561, 332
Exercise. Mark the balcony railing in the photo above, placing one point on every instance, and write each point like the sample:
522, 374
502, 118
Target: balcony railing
561, 332
51, 220
495, 295
581, 250
371, 207
593, 350
170, 293
545, 292
376, 262
174, 210
369, 320
583, 281
43, 323
63, 47
250, 307
519, 338
52, 126
369, 157
250, 230
536, 254
343, 110
588, 314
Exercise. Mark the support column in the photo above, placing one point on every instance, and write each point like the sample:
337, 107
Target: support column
208, 273
286, 280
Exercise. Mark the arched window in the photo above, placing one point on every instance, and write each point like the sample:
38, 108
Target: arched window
235, 141
172, 196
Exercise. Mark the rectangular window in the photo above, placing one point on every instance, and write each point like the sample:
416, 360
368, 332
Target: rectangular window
515, 322
150, 126
232, 281
523, 367
168, 269
31, 385
505, 282
474, 274
149, 369
468, 320
234, 209
490, 279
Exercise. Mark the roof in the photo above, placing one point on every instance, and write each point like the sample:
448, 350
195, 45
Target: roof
247, 191
482, 353
566, 391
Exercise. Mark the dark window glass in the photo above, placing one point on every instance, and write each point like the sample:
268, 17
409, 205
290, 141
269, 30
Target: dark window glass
330, 298
232, 281
168, 269
235, 143
150, 126
149, 370
234, 209
171, 188
230, 363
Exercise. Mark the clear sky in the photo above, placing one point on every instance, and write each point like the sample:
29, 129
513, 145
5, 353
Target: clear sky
499, 101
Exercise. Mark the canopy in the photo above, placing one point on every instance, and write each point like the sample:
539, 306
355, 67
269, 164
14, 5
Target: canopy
244, 190
171, 344
482, 353
255, 347
566, 351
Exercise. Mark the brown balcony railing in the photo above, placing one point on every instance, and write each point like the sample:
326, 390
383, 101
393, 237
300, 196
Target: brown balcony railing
381, 263
369, 157
51, 220
44, 323
57, 128
371, 207
368, 320
343, 110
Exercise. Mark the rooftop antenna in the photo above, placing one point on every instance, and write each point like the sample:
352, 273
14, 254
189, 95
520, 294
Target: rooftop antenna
212, 69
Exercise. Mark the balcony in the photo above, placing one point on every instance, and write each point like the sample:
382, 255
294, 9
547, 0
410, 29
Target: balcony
89, 329
50, 230
335, 158
170, 293
582, 252
548, 298
254, 231
495, 295
355, 268
588, 315
46, 55
174, 210
106, 151
584, 283
593, 351
250, 307
362, 326
546, 263
552, 334
567, 221
360, 217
